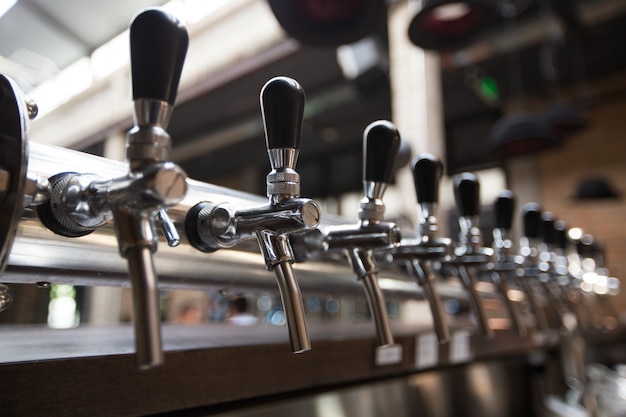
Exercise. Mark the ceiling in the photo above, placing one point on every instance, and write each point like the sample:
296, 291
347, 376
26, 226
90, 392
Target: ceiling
40, 37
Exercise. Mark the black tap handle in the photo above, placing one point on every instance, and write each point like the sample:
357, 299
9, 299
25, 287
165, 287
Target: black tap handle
584, 246
158, 45
467, 194
561, 237
547, 227
381, 142
531, 215
427, 172
282, 107
503, 207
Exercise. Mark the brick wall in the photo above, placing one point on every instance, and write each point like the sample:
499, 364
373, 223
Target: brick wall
598, 150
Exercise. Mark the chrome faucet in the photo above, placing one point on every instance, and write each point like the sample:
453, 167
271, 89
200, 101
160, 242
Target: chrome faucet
417, 254
528, 263
503, 265
470, 253
211, 226
359, 242
80, 203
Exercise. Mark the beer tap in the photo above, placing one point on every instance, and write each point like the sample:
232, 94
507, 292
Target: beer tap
470, 254
80, 203
503, 265
211, 226
548, 277
420, 252
596, 282
528, 261
569, 283
359, 242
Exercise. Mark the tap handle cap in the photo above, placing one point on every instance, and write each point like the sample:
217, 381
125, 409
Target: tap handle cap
158, 45
561, 237
427, 172
503, 207
547, 227
381, 143
467, 194
531, 216
282, 108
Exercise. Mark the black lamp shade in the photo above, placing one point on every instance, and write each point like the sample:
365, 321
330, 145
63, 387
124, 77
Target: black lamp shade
563, 118
450, 24
328, 22
595, 188
520, 133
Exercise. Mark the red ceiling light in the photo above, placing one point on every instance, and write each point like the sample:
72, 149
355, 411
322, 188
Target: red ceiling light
520, 133
450, 24
329, 22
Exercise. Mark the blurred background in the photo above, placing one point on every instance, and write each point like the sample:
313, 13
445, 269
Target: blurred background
529, 94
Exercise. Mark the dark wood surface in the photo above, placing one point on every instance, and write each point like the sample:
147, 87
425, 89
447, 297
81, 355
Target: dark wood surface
91, 371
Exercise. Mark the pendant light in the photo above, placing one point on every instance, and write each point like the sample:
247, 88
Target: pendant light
329, 22
450, 24
562, 117
520, 132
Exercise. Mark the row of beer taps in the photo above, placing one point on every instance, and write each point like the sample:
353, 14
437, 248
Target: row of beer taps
75, 204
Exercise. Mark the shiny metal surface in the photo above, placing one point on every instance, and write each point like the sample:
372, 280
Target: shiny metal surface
469, 283
365, 268
426, 279
293, 307
94, 260
13, 162
483, 389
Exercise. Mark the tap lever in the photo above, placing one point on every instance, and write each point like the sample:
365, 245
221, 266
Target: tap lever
427, 172
547, 229
466, 194
168, 228
503, 208
158, 45
381, 143
531, 214
282, 109
561, 239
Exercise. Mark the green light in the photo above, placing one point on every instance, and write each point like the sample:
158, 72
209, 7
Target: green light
489, 89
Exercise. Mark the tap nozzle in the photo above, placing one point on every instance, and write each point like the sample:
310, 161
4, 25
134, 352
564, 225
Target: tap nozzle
211, 226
